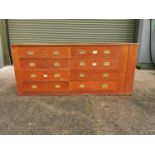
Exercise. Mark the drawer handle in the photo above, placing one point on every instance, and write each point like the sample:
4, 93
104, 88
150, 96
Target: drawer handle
56, 75
30, 52
106, 63
34, 86
32, 64
104, 85
33, 75
82, 64
95, 52
82, 52
107, 51
94, 64
45, 75
56, 52
56, 64
82, 75
82, 86
105, 75
57, 86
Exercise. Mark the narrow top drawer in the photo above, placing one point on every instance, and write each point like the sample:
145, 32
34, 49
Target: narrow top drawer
43, 52
96, 51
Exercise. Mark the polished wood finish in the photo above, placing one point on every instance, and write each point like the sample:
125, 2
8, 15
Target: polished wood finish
46, 69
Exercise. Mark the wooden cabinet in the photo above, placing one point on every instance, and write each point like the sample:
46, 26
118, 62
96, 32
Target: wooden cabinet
47, 69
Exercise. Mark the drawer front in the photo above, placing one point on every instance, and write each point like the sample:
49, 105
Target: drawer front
94, 64
45, 86
106, 86
76, 75
43, 52
45, 75
42, 63
101, 51
93, 86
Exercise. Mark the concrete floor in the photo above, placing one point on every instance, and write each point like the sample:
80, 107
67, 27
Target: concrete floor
78, 114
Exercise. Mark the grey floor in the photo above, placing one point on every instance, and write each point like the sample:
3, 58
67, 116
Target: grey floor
78, 114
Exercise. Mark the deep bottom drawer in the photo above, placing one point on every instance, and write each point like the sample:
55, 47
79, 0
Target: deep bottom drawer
93, 86
45, 86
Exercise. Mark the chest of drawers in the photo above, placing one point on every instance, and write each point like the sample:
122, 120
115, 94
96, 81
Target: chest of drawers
46, 69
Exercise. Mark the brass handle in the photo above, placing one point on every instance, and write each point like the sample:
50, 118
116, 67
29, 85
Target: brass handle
33, 75
32, 64
107, 51
56, 64
106, 63
94, 64
82, 52
95, 52
45, 75
104, 85
57, 86
30, 52
56, 75
82, 86
34, 86
105, 75
56, 52
82, 64
81, 75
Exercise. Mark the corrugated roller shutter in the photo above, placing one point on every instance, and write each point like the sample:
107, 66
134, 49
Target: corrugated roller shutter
71, 31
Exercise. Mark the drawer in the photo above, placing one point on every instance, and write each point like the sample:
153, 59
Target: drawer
98, 51
44, 75
44, 86
93, 86
76, 75
43, 52
44, 63
95, 64
106, 86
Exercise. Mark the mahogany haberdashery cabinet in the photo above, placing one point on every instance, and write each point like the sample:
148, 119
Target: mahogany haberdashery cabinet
74, 69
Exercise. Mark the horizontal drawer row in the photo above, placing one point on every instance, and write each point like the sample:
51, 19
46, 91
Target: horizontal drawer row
69, 86
66, 75
66, 52
97, 63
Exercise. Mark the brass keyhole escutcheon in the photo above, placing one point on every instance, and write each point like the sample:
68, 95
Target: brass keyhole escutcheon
107, 51
56, 52
34, 86
56, 64
106, 63
45, 75
82, 52
32, 64
30, 52
82, 64
57, 86
94, 52
104, 85
33, 75
94, 64
57, 75
82, 86
81, 75
105, 75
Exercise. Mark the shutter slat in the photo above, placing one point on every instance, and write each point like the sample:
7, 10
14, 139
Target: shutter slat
71, 31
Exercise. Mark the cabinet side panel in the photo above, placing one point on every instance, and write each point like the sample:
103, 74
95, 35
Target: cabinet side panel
17, 69
132, 57
123, 67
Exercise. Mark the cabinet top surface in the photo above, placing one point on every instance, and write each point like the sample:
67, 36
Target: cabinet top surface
72, 44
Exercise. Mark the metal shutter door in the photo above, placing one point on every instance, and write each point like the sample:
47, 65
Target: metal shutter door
71, 31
